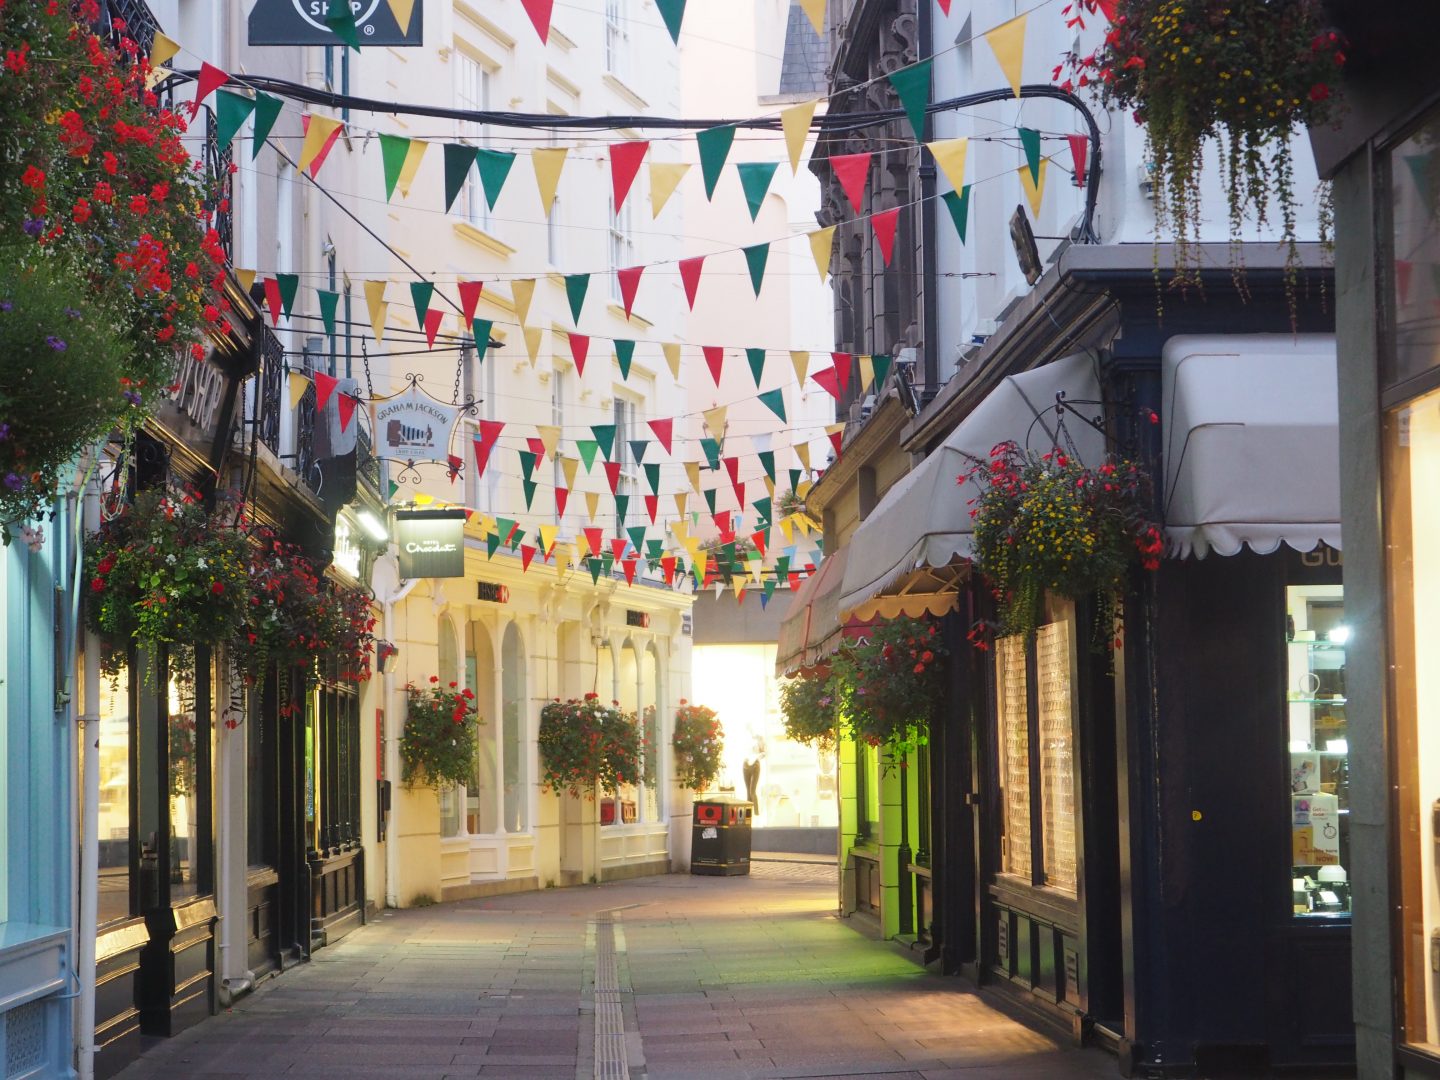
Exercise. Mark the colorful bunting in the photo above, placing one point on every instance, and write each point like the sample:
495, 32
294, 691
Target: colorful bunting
341, 20
522, 292
587, 449
207, 82
663, 430
629, 280
958, 203
774, 400
579, 350
494, 166
795, 123
324, 387
714, 357
458, 160
576, 285
377, 307
1079, 150
1034, 189
714, 146
1030, 140
328, 304
163, 49
690, 277
394, 149
539, 12
420, 294
755, 177
289, 285
756, 359
625, 159
665, 177
673, 12
320, 135
231, 111
413, 157
1008, 43
880, 365
470, 299
852, 170
671, 350
949, 155
432, 326
298, 384
822, 244
548, 161
883, 224
533, 337
715, 424
605, 439
756, 255
815, 12
624, 355
272, 299
912, 87
800, 360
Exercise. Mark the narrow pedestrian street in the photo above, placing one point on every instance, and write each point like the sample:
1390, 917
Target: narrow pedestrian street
673, 976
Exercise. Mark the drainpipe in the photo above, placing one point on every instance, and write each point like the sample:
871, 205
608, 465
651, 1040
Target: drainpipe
89, 827
392, 754
929, 272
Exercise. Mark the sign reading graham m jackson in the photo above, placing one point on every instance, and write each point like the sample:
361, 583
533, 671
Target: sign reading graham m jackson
431, 542
302, 22
413, 427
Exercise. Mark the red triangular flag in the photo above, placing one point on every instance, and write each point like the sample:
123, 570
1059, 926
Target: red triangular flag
629, 565
537, 447
272, 299
625, 159
740, 494
432, 326
794, 579
324, 152
732, 466
827, 379
539, 12
690, 277
453, 472
851, 170
527, 555
667, 565
1108, 7
722, 522
490, 432
562, 496
482, 456
1079, 148
884, 225
663, 430
740, 595
652, 505
469, 298
835, 440
468, 512
593, 538
207, 82
629, 282
612, 473
324, 387
346, 405
714, 357
758, 539
617, 546
945, 8
843, 361
579, 349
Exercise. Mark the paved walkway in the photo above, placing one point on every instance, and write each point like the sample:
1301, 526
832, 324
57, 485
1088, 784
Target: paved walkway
676, 978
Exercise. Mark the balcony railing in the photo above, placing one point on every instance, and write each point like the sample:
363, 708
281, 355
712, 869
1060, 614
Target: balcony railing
139, 21
273, 401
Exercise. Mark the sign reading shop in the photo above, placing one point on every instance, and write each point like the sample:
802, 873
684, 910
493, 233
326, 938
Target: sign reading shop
413, 427
431, 542
302, 22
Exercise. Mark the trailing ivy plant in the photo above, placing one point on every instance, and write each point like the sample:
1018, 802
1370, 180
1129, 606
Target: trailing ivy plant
441, 724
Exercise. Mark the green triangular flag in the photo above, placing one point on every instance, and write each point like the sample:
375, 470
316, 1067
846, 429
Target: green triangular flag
728, 551
458, 159
529, 486
328, 300
958, 203
607, 560
762, 507
912, 86
576, 286
782, 566
820, 544
231, 110
769, 587
505, 527
594, 567
1030, 140
527, 463
289, 286
755, 177
881, 365
624, 354
515, 538
712, 453
587, 448
709, 494
755, 257
492, 545
480, 330
652, 476
757, 364
654, 549
394, 487
622, 507
420, 294
714, 146
672, 11
605, 439
267, 111
637, 537
774, 400
494, 168
638, 448
394, 149
795, 476
767, 459
340, 18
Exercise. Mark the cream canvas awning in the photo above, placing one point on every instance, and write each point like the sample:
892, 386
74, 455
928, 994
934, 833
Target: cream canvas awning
1252, 450
923, 522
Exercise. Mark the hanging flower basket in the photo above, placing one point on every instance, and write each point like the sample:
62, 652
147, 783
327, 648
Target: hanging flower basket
438, 747
888, 687
1046, 523
807, 706
585, 746
1245, 73
167, 571
699, 742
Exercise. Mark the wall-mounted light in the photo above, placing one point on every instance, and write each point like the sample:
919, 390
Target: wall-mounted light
372, 525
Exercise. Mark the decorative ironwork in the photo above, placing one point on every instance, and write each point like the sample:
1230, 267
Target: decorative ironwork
221, 201
272, 389
139, 22
306, 463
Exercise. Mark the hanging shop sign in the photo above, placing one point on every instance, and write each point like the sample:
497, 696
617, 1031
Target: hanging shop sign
413, 427
493, 593
431, 542
302, 22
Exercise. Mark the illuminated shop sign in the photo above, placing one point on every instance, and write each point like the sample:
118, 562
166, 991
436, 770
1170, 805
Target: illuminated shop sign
431, 543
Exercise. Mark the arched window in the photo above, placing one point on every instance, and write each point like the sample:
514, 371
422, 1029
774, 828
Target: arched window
515, 728
449, 671
482, 806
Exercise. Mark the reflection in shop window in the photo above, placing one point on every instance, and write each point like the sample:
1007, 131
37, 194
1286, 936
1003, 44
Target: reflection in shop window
449, 663
482, 810
1054, 662
1013, 742
183, 752
113, 826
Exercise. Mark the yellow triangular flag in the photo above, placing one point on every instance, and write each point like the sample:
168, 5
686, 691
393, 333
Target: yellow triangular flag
410, 167
701, 559
375, 304
583, 543
867, 373
803, 524
678, 529
802, 451
1033, 191
569, 466
548, 162
803, 488
533, 336
715, 421
801, 360
787, 529
950, 155
1008, 42
522, 292
592, 505
822, 242
795, 122
246, 278
298, 385
769, 487
156, 76
815, 12
377, 320
672, 357
738, 584
665, 177
163, 49
316, 136
547, 537
486, 524
549, 437
402, 10
692, 470
680, 502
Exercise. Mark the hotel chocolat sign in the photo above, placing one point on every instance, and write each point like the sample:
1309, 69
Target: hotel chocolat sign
431, 542
302, 22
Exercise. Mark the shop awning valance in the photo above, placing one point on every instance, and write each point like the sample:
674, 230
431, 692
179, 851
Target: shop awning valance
812, 629
1252, 451
924, 519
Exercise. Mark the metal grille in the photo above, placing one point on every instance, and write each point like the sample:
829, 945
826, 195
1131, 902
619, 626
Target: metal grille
218, 160
272, 387
1014, 743
24, 1038
611, 1060
1057, 754
140, 22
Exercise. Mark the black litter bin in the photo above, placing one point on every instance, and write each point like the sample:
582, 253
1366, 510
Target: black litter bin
720, 842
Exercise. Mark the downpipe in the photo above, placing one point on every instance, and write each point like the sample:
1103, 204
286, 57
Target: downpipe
89, 730
392, 754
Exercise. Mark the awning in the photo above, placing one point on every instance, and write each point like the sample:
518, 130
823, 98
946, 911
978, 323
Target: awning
812, 630
1252, 450
924, 519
